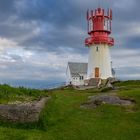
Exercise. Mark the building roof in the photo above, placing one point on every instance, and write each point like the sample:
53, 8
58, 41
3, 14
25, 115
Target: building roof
77, 68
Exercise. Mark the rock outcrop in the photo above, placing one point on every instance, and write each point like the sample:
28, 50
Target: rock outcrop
22, 113
95, 101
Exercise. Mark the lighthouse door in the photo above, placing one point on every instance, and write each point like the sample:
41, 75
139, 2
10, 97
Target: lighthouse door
96, 72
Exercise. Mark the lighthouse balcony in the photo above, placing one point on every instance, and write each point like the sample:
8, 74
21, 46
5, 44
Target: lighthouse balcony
99, 40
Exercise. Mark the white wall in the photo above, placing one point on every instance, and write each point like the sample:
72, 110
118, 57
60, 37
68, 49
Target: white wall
74, 80
77, 81
68, 76
99, 58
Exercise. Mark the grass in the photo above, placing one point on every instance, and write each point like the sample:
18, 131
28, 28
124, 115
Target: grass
10, 95
63, 119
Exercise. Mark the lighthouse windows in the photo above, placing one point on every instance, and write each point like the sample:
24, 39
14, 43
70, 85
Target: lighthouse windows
105, 24
90, 25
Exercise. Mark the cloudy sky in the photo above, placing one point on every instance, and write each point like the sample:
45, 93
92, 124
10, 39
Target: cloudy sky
39, 37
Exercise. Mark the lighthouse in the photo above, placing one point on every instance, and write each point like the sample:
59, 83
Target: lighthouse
99, 43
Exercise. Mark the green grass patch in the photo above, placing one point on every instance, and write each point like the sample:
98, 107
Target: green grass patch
63, 119
12, 95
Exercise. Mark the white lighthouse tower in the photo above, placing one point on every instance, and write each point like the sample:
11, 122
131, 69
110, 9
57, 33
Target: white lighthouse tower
99, 43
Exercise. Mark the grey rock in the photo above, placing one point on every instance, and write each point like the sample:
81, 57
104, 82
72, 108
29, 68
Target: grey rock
95, 101
22, 113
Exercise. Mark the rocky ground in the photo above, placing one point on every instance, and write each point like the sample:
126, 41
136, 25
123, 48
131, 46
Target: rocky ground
95, 101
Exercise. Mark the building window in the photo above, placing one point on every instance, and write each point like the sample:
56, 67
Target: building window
81, 77
97, 49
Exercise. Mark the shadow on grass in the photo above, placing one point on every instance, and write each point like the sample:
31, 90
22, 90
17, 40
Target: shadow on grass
34, 125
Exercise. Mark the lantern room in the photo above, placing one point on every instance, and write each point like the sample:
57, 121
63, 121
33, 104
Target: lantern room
99, 27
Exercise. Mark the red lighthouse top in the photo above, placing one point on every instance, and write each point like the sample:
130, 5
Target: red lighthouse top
99, 27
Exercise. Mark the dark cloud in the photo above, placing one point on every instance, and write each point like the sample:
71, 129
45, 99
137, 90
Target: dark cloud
7, 8
61, 15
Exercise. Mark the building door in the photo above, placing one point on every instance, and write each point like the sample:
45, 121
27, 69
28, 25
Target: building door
96, 72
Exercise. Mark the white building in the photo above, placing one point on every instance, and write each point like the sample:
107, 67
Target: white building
76, 73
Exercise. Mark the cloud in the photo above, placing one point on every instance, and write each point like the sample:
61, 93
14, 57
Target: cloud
6, 44
39, 37
121, 4
19, 63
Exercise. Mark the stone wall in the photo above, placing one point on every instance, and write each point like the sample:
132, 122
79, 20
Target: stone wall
22, 113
